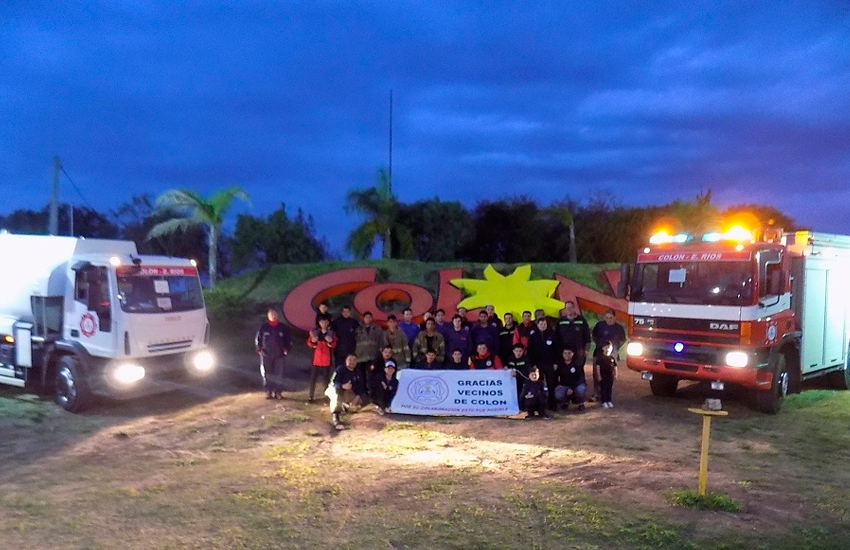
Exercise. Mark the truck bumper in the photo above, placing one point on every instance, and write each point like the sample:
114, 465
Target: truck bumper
161, 374
749, 377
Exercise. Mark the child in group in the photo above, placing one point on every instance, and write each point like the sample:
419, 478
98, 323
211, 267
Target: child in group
534, 397
387, 389
605, 367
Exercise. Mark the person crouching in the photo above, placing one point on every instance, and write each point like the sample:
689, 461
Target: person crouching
387, 388
571, 383
534, 396
347, 390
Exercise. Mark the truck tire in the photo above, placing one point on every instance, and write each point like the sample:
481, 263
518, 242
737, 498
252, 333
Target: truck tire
663, 385
841, 379
72, 393
770, 401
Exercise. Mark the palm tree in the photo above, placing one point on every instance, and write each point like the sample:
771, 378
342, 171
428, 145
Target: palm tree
381, 209
193, 209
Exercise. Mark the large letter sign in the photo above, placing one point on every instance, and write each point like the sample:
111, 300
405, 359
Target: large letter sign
512, 293
456, 393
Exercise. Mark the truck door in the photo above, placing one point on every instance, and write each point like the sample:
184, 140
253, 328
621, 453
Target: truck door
89, 319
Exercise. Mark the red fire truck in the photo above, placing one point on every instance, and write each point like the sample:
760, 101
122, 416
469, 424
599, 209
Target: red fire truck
728, 308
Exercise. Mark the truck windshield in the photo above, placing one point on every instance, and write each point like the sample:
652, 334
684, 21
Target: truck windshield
159, 293
720, 283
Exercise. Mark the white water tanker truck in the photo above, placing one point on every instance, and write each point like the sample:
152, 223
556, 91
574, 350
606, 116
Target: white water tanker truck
86, 317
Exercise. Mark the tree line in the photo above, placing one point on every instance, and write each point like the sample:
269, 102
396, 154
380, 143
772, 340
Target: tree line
509, 230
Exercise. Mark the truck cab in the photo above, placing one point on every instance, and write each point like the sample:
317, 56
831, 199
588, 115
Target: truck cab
728, 308
92, 317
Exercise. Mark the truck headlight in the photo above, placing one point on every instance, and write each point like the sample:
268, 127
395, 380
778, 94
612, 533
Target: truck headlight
127, 373
634, 349
203, 361
737, 359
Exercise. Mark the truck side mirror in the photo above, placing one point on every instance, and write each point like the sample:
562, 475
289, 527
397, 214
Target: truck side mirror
623, 285
773, 284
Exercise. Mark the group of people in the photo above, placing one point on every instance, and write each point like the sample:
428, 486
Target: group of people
358, 360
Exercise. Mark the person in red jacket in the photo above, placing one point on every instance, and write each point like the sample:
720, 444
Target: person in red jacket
322, 341
483, 360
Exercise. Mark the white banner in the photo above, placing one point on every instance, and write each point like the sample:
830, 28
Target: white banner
456, 393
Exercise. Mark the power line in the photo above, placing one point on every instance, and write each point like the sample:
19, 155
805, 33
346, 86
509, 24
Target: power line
77, 189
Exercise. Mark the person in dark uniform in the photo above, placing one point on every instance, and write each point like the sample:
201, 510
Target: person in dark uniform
605, 366
273, 342
519, 363
574, 332
544, 353
323, 312
507, 337
375, 371
571, 384
347, 390
456, 361
429, 362
485, 332
345, 327
606, 330
533, 395
388, 386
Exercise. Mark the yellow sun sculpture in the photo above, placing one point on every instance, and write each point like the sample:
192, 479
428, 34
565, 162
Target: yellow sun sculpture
512, 294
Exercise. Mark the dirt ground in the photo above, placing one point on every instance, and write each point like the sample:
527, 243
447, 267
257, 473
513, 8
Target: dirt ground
103, 478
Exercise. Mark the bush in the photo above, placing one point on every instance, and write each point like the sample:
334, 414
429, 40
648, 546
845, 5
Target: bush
692, 499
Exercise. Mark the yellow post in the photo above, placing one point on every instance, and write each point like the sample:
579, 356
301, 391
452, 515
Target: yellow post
703, 455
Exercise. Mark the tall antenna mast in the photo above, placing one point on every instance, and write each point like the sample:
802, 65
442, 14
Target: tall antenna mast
390, 173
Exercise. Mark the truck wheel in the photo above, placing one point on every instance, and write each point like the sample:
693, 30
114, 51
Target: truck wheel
663, 385
841, 379
72, 393
770, 401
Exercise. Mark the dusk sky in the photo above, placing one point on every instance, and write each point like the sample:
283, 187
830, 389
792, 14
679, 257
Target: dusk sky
645, 101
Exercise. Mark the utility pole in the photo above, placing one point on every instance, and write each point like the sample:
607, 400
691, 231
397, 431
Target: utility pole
390, 173
53, 225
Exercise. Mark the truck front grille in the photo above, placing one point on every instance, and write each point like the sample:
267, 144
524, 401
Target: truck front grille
170, 346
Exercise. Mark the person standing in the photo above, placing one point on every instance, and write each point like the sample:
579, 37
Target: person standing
368, 342
525, 328
507, 336
429, 340
395, 339
440, 323
323, 311
408, 327
485, 333
574, 332
544, 354
345, 327
492, 317
459, 338
273, 342
606, 330
605, 367
322, 341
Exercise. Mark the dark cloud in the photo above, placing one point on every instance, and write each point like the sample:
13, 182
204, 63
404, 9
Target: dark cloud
647, 102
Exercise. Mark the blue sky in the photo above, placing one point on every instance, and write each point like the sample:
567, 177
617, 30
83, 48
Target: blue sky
644, 101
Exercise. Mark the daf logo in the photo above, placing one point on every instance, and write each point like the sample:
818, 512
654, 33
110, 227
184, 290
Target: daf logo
723, 326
